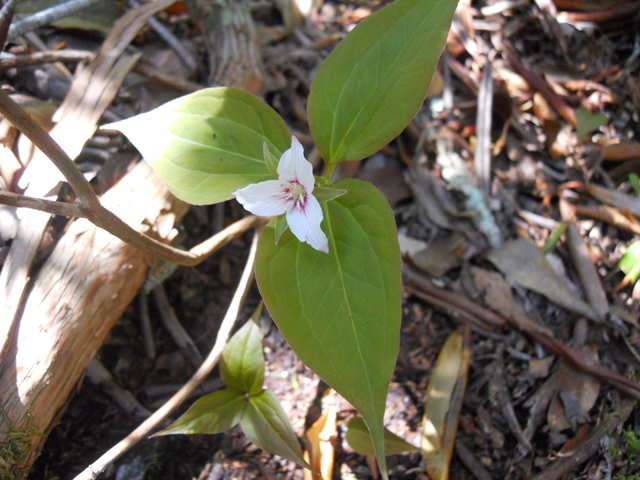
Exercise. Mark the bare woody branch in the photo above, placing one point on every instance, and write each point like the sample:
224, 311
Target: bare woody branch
87, 204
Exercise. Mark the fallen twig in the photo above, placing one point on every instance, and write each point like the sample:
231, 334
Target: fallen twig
184, 342
100, 376
46, 16
588, 447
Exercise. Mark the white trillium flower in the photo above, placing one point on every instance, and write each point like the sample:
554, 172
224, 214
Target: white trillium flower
290, 194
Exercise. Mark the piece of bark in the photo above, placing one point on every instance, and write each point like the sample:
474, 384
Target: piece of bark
91, 92
230, 37
77, 296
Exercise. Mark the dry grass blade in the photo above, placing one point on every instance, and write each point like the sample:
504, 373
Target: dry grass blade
482, 157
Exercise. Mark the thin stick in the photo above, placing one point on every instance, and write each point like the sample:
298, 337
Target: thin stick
93, 470
6, 16
46, 16
170, 321
38, 58
89, 207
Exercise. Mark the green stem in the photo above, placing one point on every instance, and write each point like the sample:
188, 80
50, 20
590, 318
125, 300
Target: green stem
329, 171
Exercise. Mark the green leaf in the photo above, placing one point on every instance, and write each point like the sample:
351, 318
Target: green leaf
635, 182
266, 425
587, 122
280, 226
358, 438
270, 160
324, 194
213, 413
340, 312
208, 144
242, 362
373, 83
630, 261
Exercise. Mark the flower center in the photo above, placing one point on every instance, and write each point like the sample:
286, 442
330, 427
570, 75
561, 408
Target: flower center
297, 192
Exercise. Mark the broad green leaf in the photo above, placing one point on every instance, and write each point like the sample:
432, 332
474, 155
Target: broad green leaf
242, 362
444, 401
208, 144
213, 413
373, 83
358, 438
266, 424
630, 261
340, 311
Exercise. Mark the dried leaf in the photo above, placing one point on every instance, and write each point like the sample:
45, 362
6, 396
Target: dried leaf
445, 395
523, 262
322, 451
441, 256
498, 297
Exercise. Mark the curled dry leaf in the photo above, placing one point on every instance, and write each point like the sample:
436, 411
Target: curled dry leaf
576, 395
523, 262
322, 452
444, 401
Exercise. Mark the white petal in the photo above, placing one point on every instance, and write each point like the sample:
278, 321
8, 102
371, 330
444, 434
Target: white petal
295, 168
305, 224
264, 199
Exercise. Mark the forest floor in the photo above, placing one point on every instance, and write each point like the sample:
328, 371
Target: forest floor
565, 121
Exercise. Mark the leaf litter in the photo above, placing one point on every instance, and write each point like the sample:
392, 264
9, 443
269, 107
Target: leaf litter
564, 110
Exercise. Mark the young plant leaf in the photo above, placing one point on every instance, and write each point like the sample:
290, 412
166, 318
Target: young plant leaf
324, 194
358, 438
340, 312
441, 412
280, 226
242, 362
266, 424
373, 83
630, 261
208, 144
213, 413
270, 160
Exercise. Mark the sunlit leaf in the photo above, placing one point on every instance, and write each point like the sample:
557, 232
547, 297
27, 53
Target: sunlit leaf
242, 362
444, 401
373, 83
340, 311
266, 424
358, 438
213, 413
630, 261
208, 144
